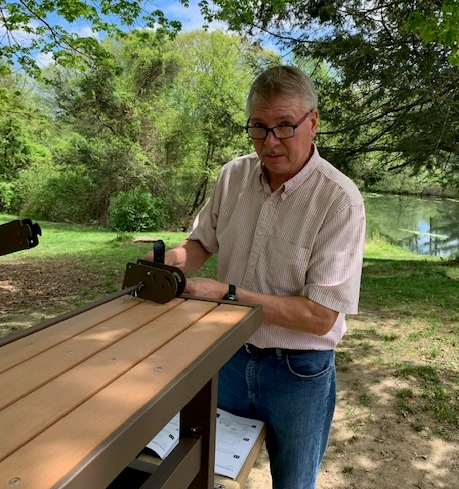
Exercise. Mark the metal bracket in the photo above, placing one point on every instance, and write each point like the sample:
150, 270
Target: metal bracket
20, 234
156, 282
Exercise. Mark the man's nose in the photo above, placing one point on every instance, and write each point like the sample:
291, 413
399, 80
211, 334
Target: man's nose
271, 140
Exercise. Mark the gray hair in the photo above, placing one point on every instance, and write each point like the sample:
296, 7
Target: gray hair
285, 81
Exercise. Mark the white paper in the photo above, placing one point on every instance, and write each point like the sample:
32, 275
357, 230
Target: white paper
234, 440
167, 439
235, 437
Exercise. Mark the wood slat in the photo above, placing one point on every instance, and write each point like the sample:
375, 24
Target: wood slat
28, 376
22, 349
60, 395
78, 438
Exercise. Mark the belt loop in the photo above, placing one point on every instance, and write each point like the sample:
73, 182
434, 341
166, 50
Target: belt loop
279, 353
247, 348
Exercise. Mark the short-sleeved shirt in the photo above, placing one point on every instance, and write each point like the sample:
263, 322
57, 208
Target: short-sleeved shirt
304, 239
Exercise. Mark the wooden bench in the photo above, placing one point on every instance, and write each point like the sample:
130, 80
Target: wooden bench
82, 394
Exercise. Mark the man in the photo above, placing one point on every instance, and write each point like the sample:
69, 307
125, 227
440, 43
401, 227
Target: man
288, 229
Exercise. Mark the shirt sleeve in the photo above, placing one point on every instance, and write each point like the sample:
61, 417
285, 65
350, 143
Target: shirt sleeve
335, 267
205, 224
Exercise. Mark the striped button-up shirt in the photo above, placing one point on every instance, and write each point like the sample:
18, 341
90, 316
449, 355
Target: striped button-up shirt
304, 239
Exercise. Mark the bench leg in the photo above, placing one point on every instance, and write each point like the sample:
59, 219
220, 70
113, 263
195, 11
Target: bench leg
199, 418
191, 463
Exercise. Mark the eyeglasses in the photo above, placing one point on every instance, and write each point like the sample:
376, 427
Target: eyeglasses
280, 132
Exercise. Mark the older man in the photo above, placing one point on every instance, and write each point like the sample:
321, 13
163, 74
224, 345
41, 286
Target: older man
288, 229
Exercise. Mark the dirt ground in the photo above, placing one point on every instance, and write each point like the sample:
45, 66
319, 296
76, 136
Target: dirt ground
371, 446
375, 449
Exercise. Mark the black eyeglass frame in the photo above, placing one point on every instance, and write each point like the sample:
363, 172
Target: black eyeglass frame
271, 129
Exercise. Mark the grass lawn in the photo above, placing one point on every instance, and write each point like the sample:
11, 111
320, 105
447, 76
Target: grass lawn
397, 367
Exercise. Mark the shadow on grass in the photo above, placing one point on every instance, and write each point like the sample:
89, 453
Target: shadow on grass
394, 427
397, 419
34, 290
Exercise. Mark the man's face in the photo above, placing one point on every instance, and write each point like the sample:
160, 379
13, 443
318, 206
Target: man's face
283, 158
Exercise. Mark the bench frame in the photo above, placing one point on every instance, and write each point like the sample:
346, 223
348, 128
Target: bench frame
193, 392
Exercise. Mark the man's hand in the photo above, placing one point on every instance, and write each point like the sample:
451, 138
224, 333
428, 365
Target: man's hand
189, 256
206, 287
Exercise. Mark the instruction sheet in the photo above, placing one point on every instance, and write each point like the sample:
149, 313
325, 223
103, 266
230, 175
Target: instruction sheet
235, 437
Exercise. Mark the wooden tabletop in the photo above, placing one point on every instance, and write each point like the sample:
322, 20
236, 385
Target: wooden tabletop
81, 397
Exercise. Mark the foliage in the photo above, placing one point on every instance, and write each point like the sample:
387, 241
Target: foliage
30, 33
6, 195
390, 99
44, 191
161, 115
136, 210
21, 134
108, 122
405, 182
387, 73
440, 26
203, 126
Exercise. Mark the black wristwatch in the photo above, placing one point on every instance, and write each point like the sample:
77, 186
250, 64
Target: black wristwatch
231, 295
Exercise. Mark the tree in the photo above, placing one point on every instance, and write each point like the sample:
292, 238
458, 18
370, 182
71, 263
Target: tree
28, 29
208, 103
23, 129
391, 100
107, 108
159, 116
440, 26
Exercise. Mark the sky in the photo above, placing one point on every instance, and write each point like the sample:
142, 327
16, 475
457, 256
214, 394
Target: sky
190, 18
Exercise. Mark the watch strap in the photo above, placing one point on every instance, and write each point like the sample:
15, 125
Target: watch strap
231, 295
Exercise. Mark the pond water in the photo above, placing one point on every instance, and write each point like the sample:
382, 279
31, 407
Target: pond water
422, 225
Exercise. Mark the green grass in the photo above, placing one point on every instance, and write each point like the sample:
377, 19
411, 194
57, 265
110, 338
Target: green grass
407, 329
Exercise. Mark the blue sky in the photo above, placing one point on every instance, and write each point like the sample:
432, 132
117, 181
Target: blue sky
190, 18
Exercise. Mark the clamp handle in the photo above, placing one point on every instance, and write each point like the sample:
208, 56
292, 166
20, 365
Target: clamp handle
20, 234
159, 251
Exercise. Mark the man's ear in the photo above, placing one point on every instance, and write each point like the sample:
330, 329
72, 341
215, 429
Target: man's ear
314, 121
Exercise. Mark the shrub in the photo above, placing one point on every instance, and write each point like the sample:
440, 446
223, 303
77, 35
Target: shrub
136, 210
6, 195
48, 192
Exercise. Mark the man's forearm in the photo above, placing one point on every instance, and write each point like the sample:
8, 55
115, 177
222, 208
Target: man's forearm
189, 256
298, 313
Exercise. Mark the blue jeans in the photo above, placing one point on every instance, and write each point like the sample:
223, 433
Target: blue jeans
294, 393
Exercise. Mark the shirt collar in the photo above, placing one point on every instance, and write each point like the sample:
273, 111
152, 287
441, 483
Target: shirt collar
294, 182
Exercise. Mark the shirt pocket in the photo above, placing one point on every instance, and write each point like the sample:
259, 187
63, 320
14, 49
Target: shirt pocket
287, 267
